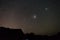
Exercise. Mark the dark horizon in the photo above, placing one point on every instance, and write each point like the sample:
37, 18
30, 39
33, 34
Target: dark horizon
5, 30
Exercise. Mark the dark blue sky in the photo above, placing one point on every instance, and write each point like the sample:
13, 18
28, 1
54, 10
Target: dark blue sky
37, 16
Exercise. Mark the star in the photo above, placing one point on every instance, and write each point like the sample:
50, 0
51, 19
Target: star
34, 16
46, 9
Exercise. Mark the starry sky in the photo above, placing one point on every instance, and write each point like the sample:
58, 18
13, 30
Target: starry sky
38, 16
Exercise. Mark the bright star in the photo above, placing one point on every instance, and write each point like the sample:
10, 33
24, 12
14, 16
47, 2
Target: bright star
34, 16
46, 9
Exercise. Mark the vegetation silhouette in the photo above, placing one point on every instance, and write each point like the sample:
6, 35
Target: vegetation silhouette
17, 34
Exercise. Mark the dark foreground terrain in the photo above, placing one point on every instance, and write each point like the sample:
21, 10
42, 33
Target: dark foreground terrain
17, 34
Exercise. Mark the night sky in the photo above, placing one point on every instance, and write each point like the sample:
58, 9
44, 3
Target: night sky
37, 16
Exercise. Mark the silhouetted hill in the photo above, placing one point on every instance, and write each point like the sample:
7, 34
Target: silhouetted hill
17, 34
10, 33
